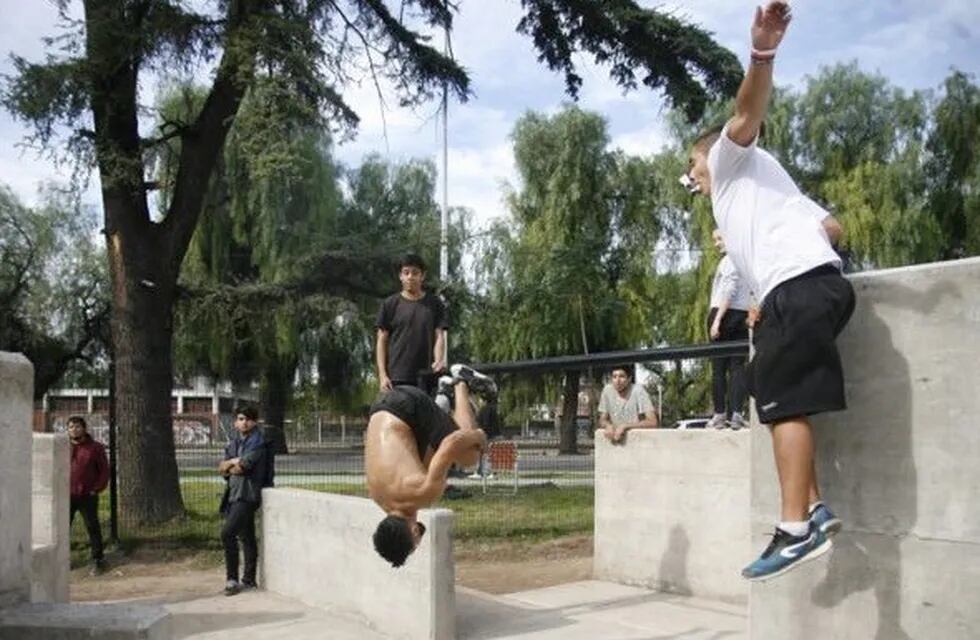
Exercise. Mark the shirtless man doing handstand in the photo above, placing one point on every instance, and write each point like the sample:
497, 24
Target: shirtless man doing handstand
409, 447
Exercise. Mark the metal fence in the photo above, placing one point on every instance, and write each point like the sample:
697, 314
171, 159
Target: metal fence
528, 486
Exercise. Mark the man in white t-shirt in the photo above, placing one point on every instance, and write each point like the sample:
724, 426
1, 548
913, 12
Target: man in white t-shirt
727, 316
780, 240
624, 406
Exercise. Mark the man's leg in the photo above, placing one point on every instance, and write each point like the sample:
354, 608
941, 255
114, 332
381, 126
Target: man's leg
719, 377
73, 507
792, 443
250, 549
463, 411
90, 513
234, 520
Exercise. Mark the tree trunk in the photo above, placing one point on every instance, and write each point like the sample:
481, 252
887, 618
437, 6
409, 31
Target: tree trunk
277, 384
142, 338
568, 433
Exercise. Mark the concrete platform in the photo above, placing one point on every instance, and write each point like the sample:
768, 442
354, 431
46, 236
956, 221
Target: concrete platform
115, 621
581, 610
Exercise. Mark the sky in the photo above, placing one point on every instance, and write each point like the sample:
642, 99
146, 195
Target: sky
912, 43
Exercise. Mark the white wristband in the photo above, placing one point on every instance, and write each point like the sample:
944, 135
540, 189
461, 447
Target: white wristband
763, 53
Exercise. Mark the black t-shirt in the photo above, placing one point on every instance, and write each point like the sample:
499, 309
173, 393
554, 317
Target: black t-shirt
411, 327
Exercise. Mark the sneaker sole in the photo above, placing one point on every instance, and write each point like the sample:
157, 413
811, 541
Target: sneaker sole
832, 527
813, 555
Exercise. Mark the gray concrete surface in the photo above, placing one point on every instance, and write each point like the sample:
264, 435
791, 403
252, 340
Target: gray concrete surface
51, 469
317, 548
591, 610
579, 611
901, 466
672, 512
46, 621
16, 550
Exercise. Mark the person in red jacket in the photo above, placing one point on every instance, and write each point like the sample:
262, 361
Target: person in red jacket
89, 477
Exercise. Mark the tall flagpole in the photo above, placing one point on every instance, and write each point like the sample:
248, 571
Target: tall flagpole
444, 219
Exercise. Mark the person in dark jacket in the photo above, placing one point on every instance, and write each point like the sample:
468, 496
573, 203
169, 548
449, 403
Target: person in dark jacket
89, 477
246, 469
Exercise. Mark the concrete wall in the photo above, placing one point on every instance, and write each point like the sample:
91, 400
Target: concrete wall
317, 548
902, 468
671, 511
16, 404
50, 511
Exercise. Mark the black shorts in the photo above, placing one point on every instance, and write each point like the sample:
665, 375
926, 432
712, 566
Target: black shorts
429, 424
796, 369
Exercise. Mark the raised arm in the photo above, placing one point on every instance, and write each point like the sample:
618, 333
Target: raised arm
461, 447
381, 360
752, 101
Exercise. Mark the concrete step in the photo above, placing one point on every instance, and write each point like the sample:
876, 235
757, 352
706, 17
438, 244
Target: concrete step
89, 621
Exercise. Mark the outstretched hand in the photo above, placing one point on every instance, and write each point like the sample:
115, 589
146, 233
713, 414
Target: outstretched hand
770, 25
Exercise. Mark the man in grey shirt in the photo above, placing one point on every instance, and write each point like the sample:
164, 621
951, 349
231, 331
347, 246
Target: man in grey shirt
624, 406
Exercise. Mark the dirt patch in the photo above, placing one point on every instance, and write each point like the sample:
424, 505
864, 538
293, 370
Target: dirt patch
162, 575
172, 575
507, 567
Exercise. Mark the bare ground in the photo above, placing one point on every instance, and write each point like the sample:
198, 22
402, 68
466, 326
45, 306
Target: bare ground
173, 575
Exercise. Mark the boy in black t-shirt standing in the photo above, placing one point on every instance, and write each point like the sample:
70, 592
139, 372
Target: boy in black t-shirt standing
412, 326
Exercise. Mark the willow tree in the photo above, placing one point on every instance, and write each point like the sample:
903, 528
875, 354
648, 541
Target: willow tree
91, 83
569, 272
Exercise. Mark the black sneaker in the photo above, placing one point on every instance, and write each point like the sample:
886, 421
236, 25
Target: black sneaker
233, 588
246, 585
99, 567
479, 383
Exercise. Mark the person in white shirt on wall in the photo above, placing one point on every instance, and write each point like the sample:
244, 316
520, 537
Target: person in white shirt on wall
624, 406
727, 321
780, 240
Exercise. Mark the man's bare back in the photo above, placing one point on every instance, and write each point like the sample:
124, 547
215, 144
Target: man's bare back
409, 448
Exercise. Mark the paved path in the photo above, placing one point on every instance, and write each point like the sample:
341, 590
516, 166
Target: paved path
576, 611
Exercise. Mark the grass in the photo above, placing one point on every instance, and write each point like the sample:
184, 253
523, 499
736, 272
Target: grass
536, 513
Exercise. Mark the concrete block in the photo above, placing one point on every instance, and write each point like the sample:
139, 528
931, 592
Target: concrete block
317, 548
899, 467
672, 512
50, 516
45, 621
16, 406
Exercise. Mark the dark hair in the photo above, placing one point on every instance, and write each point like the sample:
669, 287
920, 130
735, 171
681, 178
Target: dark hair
625, 368
706, 140
247, 410
77, 420
412, 260
393, 540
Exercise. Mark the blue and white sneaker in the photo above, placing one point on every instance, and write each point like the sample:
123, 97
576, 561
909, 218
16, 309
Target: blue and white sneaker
786, 552
479, 383
825, 520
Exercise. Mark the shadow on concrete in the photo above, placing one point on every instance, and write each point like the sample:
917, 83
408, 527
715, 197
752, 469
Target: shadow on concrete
867, 554
189, 624
673, 565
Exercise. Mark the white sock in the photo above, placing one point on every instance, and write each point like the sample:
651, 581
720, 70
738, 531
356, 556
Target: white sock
814, 506
795, 529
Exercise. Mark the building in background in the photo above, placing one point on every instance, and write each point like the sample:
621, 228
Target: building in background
202, 413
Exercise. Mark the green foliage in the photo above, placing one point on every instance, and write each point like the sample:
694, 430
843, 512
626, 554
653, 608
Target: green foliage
53, 290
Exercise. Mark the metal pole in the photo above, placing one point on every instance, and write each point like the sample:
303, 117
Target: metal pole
660, 404
343, 429
444, 221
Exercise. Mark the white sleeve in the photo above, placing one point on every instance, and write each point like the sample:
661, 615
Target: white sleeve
643, 402
726, 157
815, 210
729, 279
